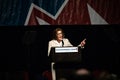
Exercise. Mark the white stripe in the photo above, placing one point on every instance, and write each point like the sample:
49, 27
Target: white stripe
29, 14
44, 11
61, 8
41, 21
95, 18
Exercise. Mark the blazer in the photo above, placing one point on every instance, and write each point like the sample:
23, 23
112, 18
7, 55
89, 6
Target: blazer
55, 43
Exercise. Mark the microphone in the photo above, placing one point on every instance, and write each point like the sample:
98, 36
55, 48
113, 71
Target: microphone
62, 43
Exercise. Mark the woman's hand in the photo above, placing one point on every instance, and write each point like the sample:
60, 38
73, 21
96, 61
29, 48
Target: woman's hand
82, 44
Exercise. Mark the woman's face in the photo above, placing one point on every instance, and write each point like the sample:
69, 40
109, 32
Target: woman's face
59, 35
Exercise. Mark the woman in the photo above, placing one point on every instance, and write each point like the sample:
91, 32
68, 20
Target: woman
60, 41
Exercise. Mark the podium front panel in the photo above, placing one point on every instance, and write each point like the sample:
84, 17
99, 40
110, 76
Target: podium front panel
65, 56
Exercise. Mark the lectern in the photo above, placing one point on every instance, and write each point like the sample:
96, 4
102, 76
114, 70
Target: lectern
65, 59
65, 54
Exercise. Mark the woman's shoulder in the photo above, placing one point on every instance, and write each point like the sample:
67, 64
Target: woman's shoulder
52, 41
65, 39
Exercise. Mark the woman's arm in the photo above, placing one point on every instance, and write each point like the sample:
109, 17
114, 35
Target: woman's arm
49, 47
82, 44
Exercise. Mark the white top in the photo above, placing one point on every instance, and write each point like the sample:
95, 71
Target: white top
55, 43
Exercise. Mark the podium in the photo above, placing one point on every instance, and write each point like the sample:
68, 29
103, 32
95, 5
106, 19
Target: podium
64, 61
65, 54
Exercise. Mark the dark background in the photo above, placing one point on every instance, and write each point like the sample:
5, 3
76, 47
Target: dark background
25, 49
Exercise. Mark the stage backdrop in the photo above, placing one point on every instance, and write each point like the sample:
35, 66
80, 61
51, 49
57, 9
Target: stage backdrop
52, 12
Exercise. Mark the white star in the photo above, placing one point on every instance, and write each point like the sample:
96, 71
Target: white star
95, 18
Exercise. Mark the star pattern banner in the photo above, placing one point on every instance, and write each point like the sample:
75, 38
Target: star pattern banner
59, 12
